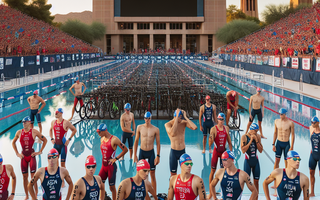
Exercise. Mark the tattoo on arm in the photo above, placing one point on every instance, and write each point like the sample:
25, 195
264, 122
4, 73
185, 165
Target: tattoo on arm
307, 192
203, 190
42, 136
249, 181
119, 191
32, 180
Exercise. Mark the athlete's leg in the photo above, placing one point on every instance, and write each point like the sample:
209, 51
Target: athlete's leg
228, 116
153, 180
214, 161
285, 153
173, 163
246, 167
312, 167
25, 184
252, 114
256, 175
204, 142
130, 141
73, 108
260, 123
33, 169
248, 126
151, 158
112, 171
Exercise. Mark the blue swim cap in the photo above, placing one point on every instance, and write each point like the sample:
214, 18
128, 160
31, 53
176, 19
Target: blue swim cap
221, 115
102, 127
254, 126
60, 110
184, 158
1, 159
26, 119
175, 113
292, 154
315, 119
283, 111
77, 78
127, 106
147, 115
228, 154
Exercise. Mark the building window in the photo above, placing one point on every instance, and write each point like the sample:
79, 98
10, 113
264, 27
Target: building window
159, 26
123, 26
174, 26
108, 40
209, 43
193, 25
143, 25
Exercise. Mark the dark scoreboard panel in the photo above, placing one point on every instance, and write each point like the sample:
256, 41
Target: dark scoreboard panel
158, 8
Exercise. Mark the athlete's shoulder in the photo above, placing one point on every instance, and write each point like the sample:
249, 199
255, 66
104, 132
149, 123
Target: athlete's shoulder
98, 178
125, 182
9, 167
196, 178
80, 182
303, 177
173, 179
64, 171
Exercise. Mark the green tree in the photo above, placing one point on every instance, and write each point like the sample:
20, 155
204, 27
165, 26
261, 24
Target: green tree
39, 9
17, 4
236, 29
234, 13
98, 30
78, 29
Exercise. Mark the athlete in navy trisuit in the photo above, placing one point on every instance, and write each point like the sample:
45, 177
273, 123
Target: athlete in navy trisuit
288, 181
315, 153
250, 143
51, 178
232, 180
89, 187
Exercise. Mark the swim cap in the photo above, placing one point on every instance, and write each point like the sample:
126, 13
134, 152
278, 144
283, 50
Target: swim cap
35, 92
127, 106
208, 97
282, 111
184, 158
315, 119
142, 164
26, 119
147, 115
90, 160
228, 155
102, 127
60, 110
254, 126
175, 113
234, 93
77, 78
221, 115
53, 152
292, 154
259, 90
1, 159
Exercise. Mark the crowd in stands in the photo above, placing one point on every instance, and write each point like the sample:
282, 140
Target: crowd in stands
21, 34
296, 35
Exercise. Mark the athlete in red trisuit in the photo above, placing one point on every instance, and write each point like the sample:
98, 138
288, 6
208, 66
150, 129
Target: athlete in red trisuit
5, 172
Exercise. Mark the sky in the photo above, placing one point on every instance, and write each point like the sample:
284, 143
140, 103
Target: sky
66, 6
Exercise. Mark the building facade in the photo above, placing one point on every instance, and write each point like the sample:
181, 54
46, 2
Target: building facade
250, 7
295, 3
143, 24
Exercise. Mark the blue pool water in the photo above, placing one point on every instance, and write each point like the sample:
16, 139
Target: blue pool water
87, 141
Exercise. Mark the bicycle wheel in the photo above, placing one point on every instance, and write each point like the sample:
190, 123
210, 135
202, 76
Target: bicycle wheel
237, 120
90, 108
113, 109
77, 108
102, 109
82, 112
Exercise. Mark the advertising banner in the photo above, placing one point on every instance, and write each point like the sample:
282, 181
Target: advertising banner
1, 63
277, 61
306, 64
9, 61
38, 59
318, 65
271, 60
295, 63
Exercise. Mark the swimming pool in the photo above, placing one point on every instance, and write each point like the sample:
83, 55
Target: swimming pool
87, 141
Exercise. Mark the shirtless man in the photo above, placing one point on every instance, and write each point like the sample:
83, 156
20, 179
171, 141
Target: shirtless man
176, 132
289, 182
137, 187
34, 102
232, 102
315, 153
89, 187
59, 141
5, 172
77, 93
51, 179
232, 180
283, 128
206, 115
219, 134
148, 134
186, 186
250, 143
256, 107
27, 136
126, 119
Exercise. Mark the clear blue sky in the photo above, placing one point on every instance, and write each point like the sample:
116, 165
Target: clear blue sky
66, 6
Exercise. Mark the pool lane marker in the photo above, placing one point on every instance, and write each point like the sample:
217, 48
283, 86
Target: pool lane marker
306, 127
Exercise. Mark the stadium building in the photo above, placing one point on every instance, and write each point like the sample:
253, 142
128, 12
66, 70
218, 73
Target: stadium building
149, 24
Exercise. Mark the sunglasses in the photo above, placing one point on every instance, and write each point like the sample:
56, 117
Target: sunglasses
145, 170
295, 159
91, 166
147, 118
53, 157
225, 159
187, 164
221, 119
57, 112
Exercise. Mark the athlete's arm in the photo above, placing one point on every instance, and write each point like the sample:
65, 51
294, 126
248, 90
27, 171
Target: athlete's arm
14, 146
236, 103
51, 133
190, 124
171, 189
215, 114
77, 189
13, 183
228, 100
275, 135
39, 173
267, 181
84, 88
121, 190
157, 160
150, 189
212, 135
28, 99
133, 124
73, 129
215, 181
123, 128
262, 107
171, 127
200, 189
244, 145
250, 102
228, 138
69, 181
122, 147
135, 145
259, 144
292, 135
102, 189
70, 89
43, 104
305, 187
42, 138
200, 117
252, 188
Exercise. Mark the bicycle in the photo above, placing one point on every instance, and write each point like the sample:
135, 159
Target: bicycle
235, 120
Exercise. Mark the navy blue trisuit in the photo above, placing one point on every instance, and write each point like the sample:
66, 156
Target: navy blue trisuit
289, 189
230, 186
